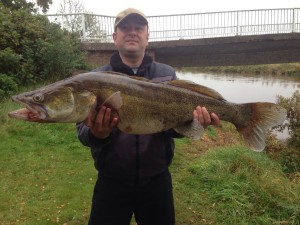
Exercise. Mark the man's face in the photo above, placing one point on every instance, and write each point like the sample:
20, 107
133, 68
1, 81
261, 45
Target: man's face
131, 38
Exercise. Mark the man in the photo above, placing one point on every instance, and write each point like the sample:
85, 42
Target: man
133, 169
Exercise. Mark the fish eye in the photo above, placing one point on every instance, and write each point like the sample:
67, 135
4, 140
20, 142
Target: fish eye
38, 97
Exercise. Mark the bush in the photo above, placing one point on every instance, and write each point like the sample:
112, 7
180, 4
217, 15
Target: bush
33, 49
292, 105
7, 85
287, 156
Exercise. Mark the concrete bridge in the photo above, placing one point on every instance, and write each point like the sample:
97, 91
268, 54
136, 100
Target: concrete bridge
223, 51
245, 37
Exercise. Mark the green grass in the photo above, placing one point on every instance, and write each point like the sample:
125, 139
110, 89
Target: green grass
47, 177
236, 186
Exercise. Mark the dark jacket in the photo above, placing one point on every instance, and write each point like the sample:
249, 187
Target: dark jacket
132, 157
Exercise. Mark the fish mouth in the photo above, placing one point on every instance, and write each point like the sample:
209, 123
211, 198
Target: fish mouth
32, 112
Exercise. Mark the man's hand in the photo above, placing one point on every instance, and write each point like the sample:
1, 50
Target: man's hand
103, 124
204, 118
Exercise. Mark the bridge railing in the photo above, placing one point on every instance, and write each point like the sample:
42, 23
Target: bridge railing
99, 28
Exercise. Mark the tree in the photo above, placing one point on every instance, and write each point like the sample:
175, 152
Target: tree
33, 50
76, 17
25, 4
44, 4
17, 4
94, 30
71, 6
72, 21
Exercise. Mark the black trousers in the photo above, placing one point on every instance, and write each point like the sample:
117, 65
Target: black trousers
151, 201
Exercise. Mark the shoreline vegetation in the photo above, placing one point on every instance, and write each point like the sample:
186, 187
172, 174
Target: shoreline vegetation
286, 69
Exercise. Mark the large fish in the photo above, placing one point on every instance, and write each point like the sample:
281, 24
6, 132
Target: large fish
145, 106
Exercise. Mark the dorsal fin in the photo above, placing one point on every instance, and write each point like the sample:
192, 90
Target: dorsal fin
197, 88
180, 83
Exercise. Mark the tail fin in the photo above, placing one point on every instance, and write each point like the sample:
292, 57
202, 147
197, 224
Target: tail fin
263, 117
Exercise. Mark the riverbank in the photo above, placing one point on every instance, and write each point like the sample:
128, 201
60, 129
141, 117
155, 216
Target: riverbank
287, 69
40, 162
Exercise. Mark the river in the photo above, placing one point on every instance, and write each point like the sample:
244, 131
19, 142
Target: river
245, 88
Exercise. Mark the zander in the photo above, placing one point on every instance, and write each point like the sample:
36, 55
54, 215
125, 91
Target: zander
145, 106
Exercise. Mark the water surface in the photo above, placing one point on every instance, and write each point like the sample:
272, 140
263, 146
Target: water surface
246, 88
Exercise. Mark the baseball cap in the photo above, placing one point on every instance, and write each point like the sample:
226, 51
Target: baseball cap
131, 13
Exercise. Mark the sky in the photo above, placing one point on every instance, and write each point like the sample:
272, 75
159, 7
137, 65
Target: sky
167, 7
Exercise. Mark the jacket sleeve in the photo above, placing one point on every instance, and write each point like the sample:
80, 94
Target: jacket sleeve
88, 139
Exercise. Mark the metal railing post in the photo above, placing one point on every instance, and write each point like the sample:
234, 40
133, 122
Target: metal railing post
83, 28
294, 20
181, 29
237, 24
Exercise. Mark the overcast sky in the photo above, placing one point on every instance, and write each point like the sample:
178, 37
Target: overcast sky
167, 7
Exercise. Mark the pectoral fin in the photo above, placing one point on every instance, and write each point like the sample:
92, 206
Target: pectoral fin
192, 130
114, 101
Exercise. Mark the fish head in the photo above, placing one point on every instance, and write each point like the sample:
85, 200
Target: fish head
45, 105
